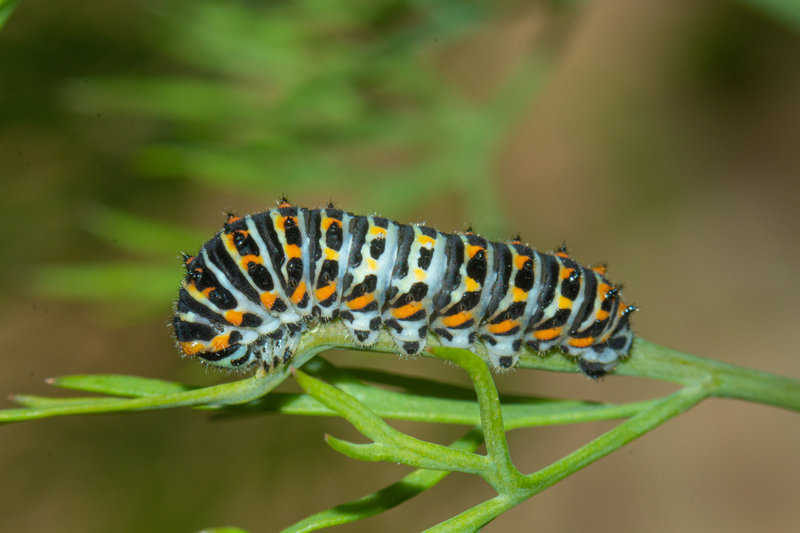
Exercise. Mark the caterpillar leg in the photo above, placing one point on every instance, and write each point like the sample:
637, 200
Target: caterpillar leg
601, 358
283, 348
593, 370
503, 352
500, 360
410, 337
217, 344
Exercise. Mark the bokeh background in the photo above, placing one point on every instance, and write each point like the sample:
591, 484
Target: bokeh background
661, 137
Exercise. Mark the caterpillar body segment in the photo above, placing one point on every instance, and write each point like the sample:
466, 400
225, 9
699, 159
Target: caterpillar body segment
256, 286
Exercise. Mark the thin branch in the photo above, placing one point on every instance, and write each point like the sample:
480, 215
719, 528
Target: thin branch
478, 516
409, 486
505, 473
388, 442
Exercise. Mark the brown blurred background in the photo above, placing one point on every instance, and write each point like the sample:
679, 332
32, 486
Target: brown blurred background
660, 137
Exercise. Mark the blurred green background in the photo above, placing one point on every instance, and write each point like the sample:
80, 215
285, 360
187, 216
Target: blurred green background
660, 137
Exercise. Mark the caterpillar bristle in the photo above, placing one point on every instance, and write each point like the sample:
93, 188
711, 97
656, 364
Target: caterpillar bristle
230, 218
613, 292
630, 309
186, 258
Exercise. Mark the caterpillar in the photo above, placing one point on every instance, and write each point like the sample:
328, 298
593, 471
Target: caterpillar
255, 287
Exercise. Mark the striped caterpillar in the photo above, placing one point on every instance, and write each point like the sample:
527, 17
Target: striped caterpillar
254, 288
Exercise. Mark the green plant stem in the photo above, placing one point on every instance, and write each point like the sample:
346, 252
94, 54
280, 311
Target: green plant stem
756, 386
517, 412
228, 393
409, 486
476, 517
504, 474
646, 360
726, 380
237, 392
635, 427
483, 513
496, 467
389, 444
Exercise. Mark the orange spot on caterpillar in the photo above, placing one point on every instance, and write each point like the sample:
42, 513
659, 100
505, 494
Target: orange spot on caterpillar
292, 251
192, 347
252, 259
323, 293
426, 241
361, 302
472, 250
581, 343
471, 284
220, 342
547, 334
457, 319
234, 317
299, 292
267, 299
407, 310
327, 222
503, 327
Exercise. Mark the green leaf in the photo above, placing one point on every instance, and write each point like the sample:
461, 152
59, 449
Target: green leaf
119, 385
784, 11
225, 394
6, 8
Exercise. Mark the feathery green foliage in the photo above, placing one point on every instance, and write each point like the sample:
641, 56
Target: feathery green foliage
331, 391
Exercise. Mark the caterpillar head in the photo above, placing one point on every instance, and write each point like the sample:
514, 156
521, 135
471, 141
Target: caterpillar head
227, 348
